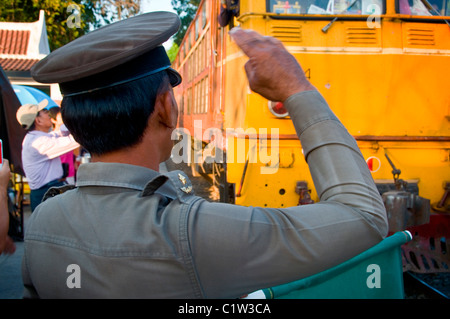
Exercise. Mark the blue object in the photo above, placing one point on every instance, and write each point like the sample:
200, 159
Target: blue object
31, 95
373, 274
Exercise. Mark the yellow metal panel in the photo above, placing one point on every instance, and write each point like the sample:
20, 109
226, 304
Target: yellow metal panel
382, 82
388, 85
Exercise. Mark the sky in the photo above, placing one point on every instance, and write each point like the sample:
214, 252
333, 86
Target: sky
158, 5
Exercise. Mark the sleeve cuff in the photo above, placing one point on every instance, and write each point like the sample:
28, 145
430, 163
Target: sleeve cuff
316, 125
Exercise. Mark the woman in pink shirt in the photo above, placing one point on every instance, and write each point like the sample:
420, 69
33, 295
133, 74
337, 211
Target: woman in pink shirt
67, 159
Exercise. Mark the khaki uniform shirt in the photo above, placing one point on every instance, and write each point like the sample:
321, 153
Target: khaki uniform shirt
130, 232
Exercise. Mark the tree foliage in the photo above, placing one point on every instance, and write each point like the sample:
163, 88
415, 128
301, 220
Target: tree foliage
115, 10
56, 16
173, 51
89, 14
186, 10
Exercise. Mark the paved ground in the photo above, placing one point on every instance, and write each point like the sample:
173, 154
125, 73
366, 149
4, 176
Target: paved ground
11, 286
10, 275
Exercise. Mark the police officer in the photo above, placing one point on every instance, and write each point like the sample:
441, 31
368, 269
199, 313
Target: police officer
127, 231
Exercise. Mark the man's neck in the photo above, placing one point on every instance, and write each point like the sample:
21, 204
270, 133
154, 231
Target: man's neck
128, 156
41, 129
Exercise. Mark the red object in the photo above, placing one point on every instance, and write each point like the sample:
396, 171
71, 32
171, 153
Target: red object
278, 109
370, 164
1, 153
428, 251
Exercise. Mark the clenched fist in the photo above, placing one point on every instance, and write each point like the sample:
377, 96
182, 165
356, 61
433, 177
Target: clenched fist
271, 70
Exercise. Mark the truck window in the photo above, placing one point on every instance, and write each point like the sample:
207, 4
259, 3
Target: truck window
356, 7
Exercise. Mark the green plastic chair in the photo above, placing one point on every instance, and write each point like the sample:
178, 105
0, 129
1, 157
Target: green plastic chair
376, 273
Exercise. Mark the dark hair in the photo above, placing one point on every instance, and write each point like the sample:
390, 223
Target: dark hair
53, 112
113, 118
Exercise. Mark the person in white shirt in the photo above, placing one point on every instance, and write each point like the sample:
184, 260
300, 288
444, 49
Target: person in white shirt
41, 150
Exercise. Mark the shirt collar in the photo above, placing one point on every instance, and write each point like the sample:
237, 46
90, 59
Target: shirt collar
135, 177
114, 175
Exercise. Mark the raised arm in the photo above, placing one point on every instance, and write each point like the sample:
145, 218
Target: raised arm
241, 249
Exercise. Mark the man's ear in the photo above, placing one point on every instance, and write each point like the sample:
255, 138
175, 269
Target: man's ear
164, 109
37, 119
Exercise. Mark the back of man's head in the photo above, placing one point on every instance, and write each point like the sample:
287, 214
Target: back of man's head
110, 78
113, 118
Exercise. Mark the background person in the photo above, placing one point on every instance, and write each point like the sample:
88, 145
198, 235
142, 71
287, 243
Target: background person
228, 10
67, 159
7, 245
41, 149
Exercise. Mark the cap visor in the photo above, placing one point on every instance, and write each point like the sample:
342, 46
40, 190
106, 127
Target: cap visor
174, 76
42, 105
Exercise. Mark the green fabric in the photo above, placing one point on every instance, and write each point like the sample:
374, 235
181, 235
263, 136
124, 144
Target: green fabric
356, 278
